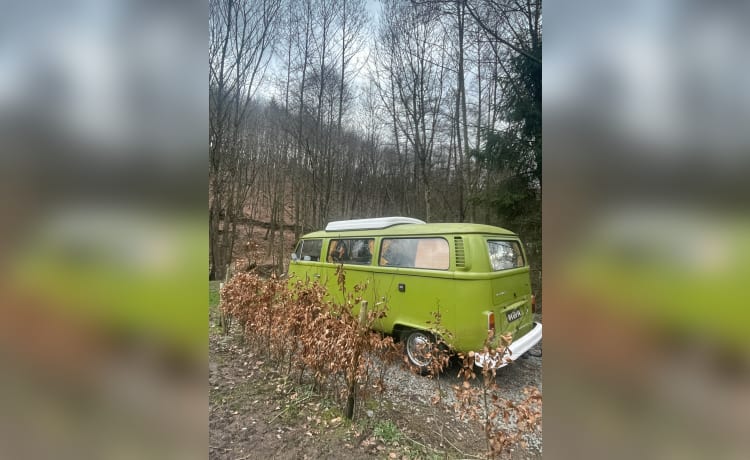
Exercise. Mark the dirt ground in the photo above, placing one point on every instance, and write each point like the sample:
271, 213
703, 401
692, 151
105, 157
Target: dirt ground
256, 412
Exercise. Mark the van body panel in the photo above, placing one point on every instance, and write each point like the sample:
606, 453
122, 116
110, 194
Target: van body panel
511, 299
464, 294
412, 299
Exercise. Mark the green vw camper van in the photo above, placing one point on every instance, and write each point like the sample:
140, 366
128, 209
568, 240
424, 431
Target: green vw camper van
476, 276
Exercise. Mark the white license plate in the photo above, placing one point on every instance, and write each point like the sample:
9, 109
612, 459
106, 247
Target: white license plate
513, 315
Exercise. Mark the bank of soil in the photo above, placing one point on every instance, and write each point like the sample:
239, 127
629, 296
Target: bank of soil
255, 412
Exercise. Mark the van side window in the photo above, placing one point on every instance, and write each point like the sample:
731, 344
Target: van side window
351, 251
505, 255
309, 250
430, 253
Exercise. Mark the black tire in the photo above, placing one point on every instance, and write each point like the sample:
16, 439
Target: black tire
416, 344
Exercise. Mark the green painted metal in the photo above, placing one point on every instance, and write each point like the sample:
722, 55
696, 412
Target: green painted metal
464, 296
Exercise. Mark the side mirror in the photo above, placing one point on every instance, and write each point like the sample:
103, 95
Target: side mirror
294, 256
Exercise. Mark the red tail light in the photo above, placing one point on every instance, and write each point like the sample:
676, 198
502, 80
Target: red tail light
533, 303
491, 322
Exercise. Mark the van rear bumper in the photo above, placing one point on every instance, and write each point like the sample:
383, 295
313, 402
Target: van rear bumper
517, 348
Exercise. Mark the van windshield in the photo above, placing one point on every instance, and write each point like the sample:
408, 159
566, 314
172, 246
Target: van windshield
309, 250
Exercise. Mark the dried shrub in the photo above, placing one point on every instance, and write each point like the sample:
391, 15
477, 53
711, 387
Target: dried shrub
297, 328
480, 400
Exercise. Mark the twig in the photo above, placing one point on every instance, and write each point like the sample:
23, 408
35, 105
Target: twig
277, 415
463, 454
417, 442
426, 448
286, 408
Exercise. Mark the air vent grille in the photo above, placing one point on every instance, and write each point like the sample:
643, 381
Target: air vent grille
460, 255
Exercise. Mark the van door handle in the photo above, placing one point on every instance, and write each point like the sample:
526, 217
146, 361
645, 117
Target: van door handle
317, 275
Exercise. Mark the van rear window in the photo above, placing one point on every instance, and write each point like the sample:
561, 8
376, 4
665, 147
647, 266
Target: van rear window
505, 255
430, 253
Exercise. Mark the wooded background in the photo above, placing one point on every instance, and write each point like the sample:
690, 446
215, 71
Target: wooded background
335, 109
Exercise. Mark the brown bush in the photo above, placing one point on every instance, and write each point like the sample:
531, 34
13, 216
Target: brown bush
479, 400
297, 328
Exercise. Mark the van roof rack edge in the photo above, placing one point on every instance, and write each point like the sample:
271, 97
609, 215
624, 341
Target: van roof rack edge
370, 224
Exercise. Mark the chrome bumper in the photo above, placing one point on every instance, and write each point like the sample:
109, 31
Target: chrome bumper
517, 348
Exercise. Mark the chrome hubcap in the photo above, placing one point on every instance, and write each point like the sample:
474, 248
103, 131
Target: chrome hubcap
418, 349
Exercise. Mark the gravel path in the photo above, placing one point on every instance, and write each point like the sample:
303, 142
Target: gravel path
404, 385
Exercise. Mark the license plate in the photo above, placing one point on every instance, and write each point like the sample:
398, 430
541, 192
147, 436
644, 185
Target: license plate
513, 315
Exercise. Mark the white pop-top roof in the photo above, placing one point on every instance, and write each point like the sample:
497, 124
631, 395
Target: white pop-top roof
370, 224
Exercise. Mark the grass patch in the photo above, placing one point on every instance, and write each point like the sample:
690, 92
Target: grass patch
245, 393
296, 401
213, 304
213, 294
238, 397
386, 431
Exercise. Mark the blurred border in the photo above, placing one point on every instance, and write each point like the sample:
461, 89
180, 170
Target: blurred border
103, 238
646, 234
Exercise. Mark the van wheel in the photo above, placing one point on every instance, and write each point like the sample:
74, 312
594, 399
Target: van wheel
418, 348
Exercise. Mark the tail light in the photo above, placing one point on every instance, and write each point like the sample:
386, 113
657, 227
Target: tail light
491, 322
533, 303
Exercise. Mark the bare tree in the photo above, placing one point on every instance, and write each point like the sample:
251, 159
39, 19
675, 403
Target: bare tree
241, 35
417, 69
439, 130
353, 20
